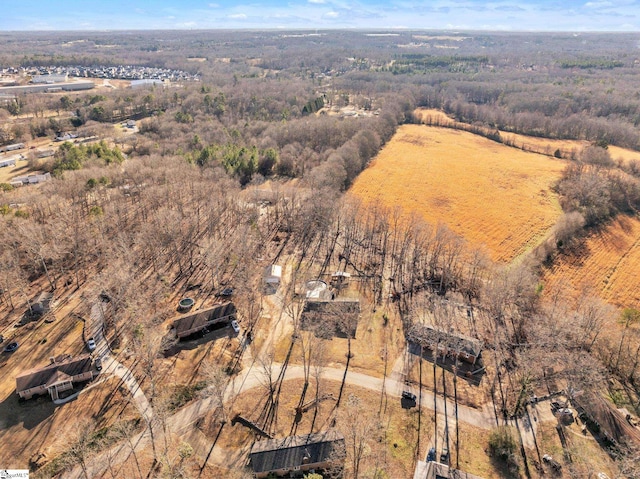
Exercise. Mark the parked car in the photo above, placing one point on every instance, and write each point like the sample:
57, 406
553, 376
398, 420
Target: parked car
431, 455
98, 363
409, 396
225, 293
1, 338
91, 344
444, 456
552, 462
235, 326
11, 347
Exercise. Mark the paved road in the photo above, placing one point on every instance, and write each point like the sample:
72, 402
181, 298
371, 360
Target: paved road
250, 379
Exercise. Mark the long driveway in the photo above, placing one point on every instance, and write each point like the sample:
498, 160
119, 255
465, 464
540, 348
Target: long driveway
110, 365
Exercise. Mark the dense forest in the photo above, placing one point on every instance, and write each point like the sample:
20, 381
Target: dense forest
253, 159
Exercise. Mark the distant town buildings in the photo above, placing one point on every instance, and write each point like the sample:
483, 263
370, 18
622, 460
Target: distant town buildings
60, 74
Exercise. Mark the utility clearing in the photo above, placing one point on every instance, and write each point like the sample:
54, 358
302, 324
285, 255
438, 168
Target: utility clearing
495, 196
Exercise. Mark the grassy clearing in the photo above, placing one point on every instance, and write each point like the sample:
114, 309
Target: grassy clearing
492, 195
606, 263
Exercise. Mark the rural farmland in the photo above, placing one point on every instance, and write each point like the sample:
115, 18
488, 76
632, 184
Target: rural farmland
492, 195
606, 262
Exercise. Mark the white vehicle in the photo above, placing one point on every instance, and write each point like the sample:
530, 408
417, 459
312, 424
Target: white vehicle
91, 344
235, 325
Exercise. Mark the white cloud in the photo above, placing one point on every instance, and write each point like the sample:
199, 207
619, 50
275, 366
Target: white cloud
331, 15
238, 16
317, 1
598, 4
214, 5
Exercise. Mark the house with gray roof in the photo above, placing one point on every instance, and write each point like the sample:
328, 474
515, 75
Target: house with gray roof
297, 455
445, 343
328, 317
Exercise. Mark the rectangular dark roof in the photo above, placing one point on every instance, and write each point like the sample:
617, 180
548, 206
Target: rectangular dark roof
428, 336
289, 452
200, 319
612, 422
41, 376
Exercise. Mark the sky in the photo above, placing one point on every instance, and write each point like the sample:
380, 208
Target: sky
507, 15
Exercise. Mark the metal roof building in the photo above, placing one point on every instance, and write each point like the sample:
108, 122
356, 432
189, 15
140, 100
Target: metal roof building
297, 454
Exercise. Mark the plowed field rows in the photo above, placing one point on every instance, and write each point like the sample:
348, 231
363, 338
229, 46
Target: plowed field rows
607, 261
491, 194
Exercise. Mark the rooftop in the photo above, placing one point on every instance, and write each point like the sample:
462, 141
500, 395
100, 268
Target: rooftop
428, 336
199, 319
292, 451
60, 366
327, 316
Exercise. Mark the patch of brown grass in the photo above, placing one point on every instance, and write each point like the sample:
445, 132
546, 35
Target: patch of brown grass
606, 263
488, 193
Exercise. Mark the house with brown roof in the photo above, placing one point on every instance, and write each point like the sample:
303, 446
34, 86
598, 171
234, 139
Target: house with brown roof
58, 376
197, 321
295, 455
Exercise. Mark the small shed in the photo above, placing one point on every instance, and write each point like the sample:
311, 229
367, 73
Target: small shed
295, 455
340, 279
43, 303
272, 278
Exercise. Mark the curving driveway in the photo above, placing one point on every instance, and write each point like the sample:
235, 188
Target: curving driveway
110, 365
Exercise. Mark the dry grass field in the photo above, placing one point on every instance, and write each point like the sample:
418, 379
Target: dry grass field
490, 194
545, 146
606, 262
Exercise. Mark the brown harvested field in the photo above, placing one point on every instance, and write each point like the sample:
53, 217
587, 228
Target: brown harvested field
606, 262
545, 146
489, 193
